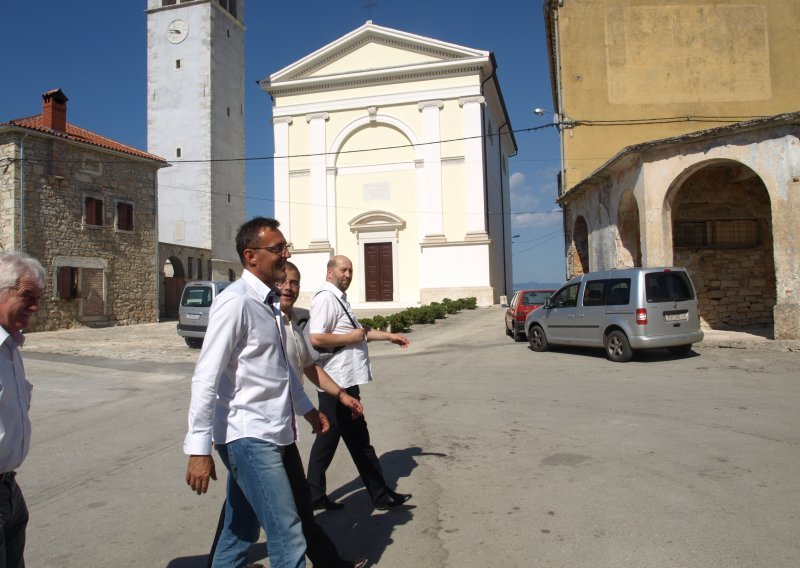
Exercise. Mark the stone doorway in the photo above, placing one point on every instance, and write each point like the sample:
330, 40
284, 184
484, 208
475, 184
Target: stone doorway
722, 233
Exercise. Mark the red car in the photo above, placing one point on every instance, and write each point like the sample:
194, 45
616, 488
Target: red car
523, 303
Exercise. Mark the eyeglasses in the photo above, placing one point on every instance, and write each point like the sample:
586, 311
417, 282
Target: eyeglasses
292, 283
280, 249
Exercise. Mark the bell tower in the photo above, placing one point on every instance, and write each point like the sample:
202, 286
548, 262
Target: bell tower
195, 120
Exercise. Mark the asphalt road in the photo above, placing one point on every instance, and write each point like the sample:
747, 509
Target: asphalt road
515, 458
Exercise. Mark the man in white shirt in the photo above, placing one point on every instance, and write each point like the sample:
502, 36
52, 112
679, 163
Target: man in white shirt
320, 549
22, 280
342, 344
245, 396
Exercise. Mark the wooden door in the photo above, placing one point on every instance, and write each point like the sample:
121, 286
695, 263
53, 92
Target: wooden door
378, 272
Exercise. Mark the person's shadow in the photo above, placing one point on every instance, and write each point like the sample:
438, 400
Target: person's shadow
358, 532
355, 530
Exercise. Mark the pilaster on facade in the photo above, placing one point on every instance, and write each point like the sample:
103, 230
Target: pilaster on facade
432, 218
319, 178
281, 126
474, 166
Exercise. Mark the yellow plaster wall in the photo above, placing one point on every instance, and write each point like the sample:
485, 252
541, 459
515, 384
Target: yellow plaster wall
634, 59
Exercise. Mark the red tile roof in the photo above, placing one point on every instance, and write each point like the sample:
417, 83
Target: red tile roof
77, 134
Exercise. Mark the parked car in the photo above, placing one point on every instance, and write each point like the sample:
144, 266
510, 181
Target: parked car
621, 311
522, 303
193, 312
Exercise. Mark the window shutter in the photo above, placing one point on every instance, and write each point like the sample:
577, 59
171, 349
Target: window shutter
64, 281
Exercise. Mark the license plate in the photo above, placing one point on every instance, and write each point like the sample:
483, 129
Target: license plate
676, 317
193, 316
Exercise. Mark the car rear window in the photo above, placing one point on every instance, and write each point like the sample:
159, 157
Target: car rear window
534, 298
668, 287
196, 297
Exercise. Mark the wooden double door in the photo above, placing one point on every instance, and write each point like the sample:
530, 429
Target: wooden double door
378, 272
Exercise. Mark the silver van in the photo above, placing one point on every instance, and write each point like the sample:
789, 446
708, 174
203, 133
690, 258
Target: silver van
621, 311
193, 311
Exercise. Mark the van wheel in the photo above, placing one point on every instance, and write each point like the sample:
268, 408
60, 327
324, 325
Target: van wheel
193, 342
617, 347
680, 349
538, 339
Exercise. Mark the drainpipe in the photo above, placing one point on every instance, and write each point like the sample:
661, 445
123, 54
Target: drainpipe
560, 101
22, 192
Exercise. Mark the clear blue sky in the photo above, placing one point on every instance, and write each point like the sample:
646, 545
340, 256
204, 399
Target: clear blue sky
96, 51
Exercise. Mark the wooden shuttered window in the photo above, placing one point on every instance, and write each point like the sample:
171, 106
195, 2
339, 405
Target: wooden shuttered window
93, 211
124, 216
67, 282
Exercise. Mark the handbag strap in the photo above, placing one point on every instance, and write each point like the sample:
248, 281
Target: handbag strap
352, 321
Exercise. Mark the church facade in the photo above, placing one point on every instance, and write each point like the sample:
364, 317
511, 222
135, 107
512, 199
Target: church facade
392, 149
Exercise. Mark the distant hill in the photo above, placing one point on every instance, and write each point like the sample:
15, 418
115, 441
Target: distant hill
536, 285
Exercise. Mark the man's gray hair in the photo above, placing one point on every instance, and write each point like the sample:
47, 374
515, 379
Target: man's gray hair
14, 265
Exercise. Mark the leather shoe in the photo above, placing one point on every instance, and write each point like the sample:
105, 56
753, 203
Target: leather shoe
360, 563
395, 500
327, 504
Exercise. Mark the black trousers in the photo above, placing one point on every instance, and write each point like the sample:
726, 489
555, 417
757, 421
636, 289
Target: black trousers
356, 437
13, 521
319, 547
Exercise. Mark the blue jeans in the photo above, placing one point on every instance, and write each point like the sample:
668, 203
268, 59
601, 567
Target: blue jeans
259, 495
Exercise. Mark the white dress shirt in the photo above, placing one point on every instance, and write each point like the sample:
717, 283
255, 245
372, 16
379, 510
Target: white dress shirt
15, 400
350, 365
243, 384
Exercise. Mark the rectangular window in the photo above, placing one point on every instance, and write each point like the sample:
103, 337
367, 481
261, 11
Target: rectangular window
67, 282
668, 287
124, 216
723, 233
593, 293
619, 292
199, 268
177, 64
178, 152
93, 211
190, 275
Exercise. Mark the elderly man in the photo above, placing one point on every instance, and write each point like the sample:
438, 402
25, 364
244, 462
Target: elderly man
21, 282
244, 397
319, 547
342, 343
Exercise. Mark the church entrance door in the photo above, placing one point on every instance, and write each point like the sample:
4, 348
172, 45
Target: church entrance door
378, 272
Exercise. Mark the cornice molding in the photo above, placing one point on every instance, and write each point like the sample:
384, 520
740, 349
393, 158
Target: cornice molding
282, 119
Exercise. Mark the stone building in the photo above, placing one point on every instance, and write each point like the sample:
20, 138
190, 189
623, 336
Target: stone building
85, 206
679, 137
392, 149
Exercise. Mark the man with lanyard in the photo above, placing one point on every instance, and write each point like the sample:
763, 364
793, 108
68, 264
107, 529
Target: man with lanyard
21, 282
320, 549
245, 392
342, 344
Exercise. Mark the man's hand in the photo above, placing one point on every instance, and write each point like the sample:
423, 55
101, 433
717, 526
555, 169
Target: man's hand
399, 339
353, 404
199, 470
319, 422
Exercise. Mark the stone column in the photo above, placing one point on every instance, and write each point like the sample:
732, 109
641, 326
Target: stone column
431, 216
281, 174
319, 194
473, 166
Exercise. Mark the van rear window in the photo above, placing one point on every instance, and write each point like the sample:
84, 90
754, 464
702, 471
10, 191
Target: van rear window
668, 287
196, 297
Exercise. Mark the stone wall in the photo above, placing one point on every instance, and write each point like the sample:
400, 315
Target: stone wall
59, 175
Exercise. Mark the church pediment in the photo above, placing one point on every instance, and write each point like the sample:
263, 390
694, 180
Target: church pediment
373, 49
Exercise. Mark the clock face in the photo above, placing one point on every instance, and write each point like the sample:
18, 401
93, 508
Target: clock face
177, 31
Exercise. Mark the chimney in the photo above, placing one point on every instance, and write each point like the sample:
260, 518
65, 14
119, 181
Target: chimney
54, 110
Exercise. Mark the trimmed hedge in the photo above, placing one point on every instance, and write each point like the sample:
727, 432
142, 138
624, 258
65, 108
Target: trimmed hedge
402, 321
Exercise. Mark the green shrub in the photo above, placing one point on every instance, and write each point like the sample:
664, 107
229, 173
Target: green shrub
379, 323
400, 321
438, 310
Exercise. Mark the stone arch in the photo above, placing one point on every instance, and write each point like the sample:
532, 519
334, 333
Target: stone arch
377, 120
173, 268
578, 256
629, 252
720, 219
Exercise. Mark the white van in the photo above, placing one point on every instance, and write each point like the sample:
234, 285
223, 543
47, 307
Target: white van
193, 312
621, 311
